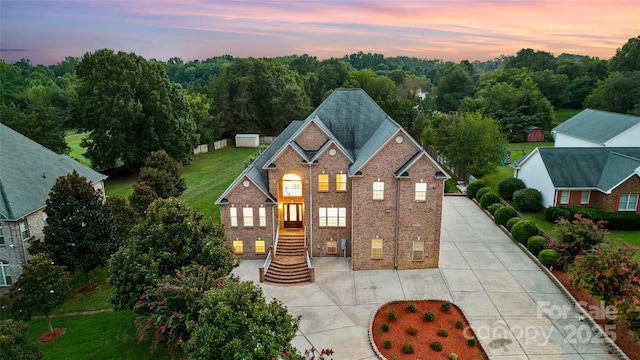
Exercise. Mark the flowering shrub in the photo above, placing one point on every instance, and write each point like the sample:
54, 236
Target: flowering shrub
573, 238
171, 304
313, 354
629, 312
607, 270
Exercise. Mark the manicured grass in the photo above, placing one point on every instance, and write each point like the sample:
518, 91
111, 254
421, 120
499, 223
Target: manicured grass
209, 175
107, 336
97, 299
77, 152
564, 114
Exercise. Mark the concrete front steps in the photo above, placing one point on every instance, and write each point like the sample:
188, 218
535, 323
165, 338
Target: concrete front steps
289, 266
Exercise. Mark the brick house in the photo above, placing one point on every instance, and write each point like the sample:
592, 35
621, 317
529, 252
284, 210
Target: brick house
28, 171
349, 181
604, 177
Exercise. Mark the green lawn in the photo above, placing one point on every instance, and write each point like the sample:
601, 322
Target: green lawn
107, 336
93, 300
563, 114
73, 139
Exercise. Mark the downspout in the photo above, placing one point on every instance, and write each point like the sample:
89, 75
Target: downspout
351, 205
395, 256
273, 224
310, 212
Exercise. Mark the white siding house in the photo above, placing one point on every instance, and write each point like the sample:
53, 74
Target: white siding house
596, 128
533, 173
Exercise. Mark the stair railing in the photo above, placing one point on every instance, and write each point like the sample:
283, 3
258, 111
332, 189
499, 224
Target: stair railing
312, 275
265, 267
275, 242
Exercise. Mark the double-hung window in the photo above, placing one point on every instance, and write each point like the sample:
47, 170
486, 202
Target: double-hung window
262, 214
341, 182
24, 230
5, 275
376, 248
417, 253
247, 216
323, 182
628, 202
421, 191
233, 213
260, 246
564, 197
585, 197
332, 217
378, 190
238, 246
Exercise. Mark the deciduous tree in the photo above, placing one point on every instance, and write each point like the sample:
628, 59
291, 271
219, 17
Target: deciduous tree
171, 235
14, 343
130, 108
42, 286
162, 174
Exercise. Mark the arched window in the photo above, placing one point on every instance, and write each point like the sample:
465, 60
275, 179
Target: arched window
291, 185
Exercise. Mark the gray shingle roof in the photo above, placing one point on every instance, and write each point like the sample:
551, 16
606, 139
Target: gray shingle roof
600, 168
28, 171
596, 125
351, 120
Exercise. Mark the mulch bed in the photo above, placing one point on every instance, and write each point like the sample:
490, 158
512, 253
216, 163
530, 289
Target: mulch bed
625, 339
455, 342
50, 336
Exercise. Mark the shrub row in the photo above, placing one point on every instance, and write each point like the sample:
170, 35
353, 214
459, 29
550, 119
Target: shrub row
614, 220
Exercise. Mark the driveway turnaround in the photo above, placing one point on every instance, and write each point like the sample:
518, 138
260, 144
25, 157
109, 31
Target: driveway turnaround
514, 308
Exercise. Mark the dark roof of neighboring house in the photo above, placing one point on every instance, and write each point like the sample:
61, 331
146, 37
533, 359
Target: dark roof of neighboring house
602, 168
28, 171
596, 125
350, 119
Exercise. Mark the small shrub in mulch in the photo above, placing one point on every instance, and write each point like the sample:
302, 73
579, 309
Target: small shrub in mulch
436, 345
412, 331
387, 344
459, 324
429, 316
411, 307
472, 341
385, 327
445, 306
392, 315
407, 348
443, 333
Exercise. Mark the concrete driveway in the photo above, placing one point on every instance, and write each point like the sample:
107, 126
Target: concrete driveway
515, 310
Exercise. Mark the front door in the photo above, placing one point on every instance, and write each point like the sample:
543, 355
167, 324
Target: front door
292, 216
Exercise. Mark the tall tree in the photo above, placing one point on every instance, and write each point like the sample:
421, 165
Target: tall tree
474, 143
42, 286
77, 234
531, 59
619, 92
454, 84
130, 108
172, 235
14, 343
627, 58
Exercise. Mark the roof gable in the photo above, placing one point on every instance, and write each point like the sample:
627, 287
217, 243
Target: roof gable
598, 167
597, 126
28, 171
404, 170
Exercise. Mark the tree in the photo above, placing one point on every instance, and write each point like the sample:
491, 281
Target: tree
130, 108
531, 59
41, 287
474, 144
143, 195
553, 86
331, 74
201, 111
122, 219
627, 58
237, 323
619, 92
260, 95
14, 343
162, 174
172, 305
304, 64
171, 235
454, 84
513, 100
77, 234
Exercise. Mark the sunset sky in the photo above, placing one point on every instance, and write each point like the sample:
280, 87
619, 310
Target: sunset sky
46, 31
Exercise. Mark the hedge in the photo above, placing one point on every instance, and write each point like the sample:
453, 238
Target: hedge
536, 243
494, 207
489, 199
474, 186
481, 192
527, 199
501, 216
614, 220
523, 230
507, 186
511, 222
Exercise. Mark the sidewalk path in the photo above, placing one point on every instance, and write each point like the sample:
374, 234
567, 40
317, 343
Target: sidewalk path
516, 311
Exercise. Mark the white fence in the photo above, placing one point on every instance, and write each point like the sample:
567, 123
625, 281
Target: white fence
203, 148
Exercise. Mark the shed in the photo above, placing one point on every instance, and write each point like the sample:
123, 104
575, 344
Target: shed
247, 140
533, 134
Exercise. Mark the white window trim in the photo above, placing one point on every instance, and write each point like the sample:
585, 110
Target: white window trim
341, 180
421, 191
264, 246
582, 200
262, 214
247, 217
628, 203
378, 190
233, 214
24, 227
321, 182
332, 217
5, 272
417, 247
564, 201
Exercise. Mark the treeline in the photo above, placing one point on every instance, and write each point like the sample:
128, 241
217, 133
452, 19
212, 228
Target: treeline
131, 106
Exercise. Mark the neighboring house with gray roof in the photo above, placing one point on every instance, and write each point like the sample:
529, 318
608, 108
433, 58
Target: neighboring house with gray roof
597, 128
28, 171
604, 177
350, 181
